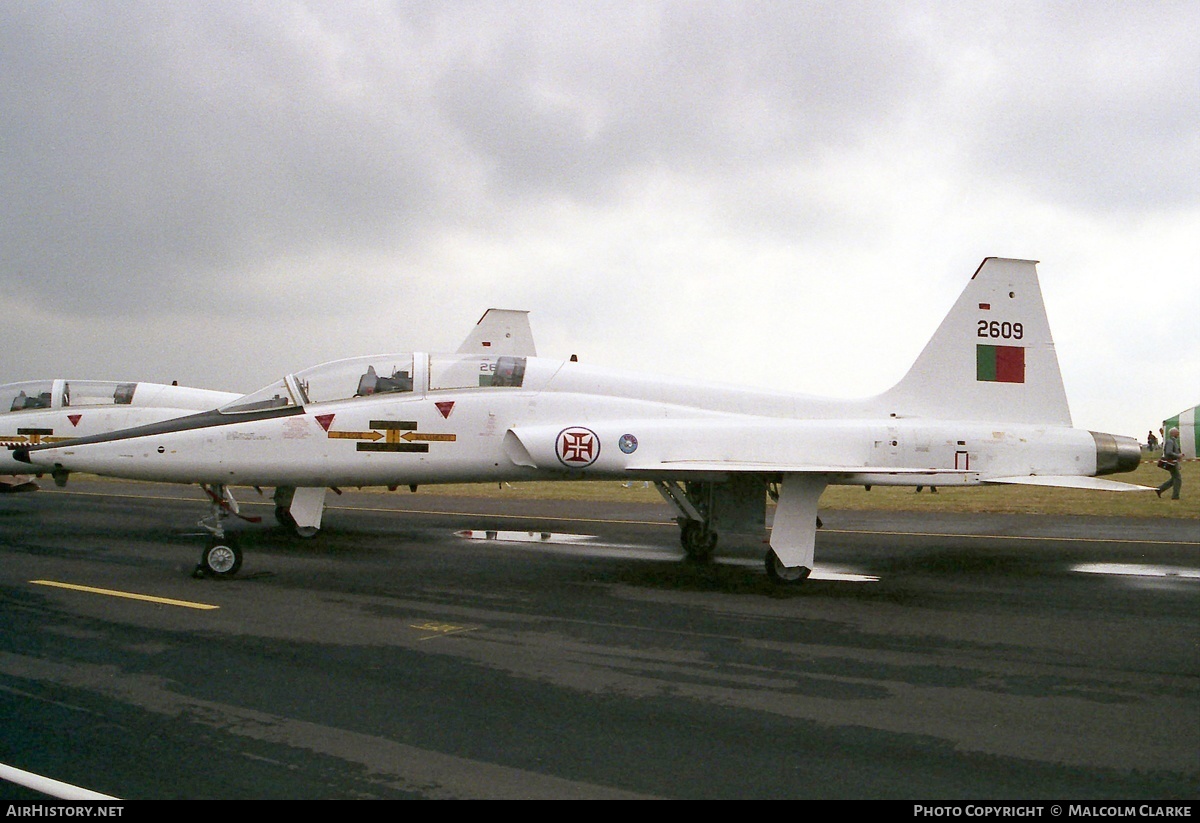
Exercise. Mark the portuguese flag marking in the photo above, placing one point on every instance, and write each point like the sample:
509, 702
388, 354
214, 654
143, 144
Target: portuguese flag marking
1000, 364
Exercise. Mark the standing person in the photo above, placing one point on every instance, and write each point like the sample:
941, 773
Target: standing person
1171, 456
1151, 441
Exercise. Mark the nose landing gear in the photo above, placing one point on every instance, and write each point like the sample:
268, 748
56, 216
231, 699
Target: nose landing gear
221, 557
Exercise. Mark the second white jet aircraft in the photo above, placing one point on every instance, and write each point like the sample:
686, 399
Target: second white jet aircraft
983, 403
50, 411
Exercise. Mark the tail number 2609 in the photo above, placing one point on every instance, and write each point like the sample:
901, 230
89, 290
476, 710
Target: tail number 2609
997, 329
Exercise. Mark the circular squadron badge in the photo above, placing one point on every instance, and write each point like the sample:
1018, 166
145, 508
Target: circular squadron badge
577, 447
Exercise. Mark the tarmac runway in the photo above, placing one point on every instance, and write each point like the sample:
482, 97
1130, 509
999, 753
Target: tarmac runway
424, 646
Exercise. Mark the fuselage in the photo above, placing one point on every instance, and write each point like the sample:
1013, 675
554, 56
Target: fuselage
420, 419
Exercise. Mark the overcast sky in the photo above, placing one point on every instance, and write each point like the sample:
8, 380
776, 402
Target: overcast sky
780, 193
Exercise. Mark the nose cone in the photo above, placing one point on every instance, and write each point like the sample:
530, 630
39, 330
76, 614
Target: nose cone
1116, 453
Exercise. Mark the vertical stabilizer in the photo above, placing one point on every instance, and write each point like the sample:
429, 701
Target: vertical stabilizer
992, 358
501, 332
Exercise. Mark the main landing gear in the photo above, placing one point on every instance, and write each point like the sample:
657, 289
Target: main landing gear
779, 573
736, 505
785, 575
221, 557
284, 517
698, 539
297, 509
694, 502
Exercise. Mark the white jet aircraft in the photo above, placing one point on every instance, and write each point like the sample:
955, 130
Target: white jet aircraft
984, 403
34, 412
50, 411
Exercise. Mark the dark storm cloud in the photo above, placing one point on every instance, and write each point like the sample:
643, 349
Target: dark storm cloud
168, 152
155, 148
157, 152
569, 102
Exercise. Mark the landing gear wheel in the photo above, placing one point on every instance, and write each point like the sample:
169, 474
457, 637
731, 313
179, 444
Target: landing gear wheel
698, 542
785, 575
220, 558
284, 516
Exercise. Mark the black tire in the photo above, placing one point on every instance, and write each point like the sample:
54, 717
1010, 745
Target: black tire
698, 543
285, 519
221, 558
784, 575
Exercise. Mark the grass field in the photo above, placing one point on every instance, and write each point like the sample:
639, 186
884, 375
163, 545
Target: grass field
1010, 499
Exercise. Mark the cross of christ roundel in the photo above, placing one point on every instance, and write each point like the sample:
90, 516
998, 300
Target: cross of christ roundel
577, 447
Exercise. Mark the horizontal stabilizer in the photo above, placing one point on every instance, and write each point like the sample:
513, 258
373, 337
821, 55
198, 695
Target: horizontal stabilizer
1071, 482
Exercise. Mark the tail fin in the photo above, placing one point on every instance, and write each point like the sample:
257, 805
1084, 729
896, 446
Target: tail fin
501, 332
992, 358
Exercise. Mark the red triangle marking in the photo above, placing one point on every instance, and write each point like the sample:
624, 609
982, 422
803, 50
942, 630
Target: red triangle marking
74, 418
324, 420
445, 407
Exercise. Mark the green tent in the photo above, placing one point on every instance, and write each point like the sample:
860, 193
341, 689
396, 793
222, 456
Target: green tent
1189, 426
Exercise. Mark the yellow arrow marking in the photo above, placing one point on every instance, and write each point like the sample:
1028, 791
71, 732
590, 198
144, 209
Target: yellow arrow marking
444, 438
395, 436
356, 435
128, 595
33, 439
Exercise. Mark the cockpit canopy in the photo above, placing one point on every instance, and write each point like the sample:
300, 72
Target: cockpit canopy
384, 374
58, 394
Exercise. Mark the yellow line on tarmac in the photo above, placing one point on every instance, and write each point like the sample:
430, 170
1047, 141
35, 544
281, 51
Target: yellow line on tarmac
166, 601
440, 629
